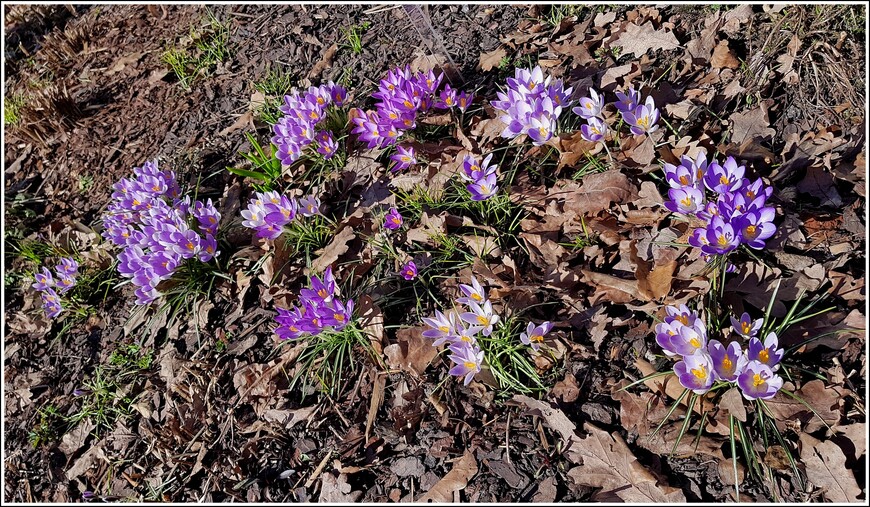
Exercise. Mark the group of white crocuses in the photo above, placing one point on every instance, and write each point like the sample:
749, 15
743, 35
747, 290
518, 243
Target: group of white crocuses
459, 329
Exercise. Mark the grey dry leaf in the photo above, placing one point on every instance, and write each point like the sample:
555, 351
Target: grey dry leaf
826, 468
490, 60
337, 490
732, 402
455, 480
640, 39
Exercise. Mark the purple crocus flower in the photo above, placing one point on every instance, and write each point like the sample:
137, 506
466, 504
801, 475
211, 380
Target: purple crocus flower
728, 362
767, 353
326, 144
447, 98
687, 200
590, 107
309, 206
696, 372
403, 158
288, 328
321, 291
68, 266
689, 173
481, 315
338, 315
338, 94
541, 127
724, 178
43, 281
758, 381
442, 325
687, 341
627, 102
64, 283
534, 335
756, 226
51, 302
473, 171
207, 216
474, 293
594, 130
745, 326
393, 219
409, 270
483, 188
643, 119
468, 361
665, 331
721, 237
145, 294
464, 100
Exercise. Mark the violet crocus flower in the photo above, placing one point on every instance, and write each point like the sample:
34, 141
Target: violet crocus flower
724, 178
64, 283
590, 107
309, 206
767, 353
409, 270
473, 171
541, 127
756, 226
745, 326
474, 293
721, 237
687, 200
627, 101
687, 341
481, 315
696, 372
464, 100
442, 325
288, 328
43, 281
403, 158
594, 130
689, 173
393, 219
68, 266
665, 331
468, 361
483, 188
728, 362
51, 303
534, 335
326, 144
447, 98
643, 119
759, 382
338, 315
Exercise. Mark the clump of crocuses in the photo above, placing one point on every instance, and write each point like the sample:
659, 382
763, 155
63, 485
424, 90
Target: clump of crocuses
481, 177
401, 96
269, 212
531, 105
319, 309
157, 229
736, 214
298, 128
52, 287
641, 116
704, 362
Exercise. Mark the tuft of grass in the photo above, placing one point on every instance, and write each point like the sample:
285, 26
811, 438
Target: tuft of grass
265, 168
557, 13
210, 46
308, 234
274, 86
86, 181
508, 359
46, 429
328, 359
12, 109
353, 36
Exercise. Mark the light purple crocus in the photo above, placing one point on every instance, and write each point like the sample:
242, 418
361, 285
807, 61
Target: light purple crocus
474, 293
393, 219
68, 266
467, 359
759, 382
728, 362
326, 144
724, 178
44, 280
442, 325
696, 372
687, 200
534, 334
594, 130
755, 227
721, 237
664, 332
643, 119
409, 270
481, 315
687, 341
745, 326
590, 107
767, 353
483, 188
472, 170
309, 206
403, 158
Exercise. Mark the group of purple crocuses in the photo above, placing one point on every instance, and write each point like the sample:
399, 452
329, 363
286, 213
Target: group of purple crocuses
153, 225
641, 116
481, 177
269, 212
531, 105
318, 309
704, 362
298, 127
737, 215
63, 281
458, 330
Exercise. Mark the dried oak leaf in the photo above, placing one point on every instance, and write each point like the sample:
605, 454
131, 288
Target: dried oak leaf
826, 468
596, 193
723, 57
751, 124
413, 352
492, 59
335, 249
640, 39
456, 480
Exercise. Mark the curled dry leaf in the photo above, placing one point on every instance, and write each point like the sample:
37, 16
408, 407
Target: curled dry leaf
492, 59
640, 39
413, 352
826, 468
335, 249
456, 480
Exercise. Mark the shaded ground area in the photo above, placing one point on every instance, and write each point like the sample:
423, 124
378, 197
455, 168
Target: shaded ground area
201, 408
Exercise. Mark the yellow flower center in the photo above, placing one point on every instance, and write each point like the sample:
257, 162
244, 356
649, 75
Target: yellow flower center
764, 356
757, 380
470, 365
643, 122
750, 194
700, 372
409, 273
722, 240
338, 316
475, 296
684, 180
483, 320
542, 131
322, 293
190, 245
727, 364
686, 201
465, 338
746, 327
723, 180
444, 329
695, 342
536, 338
484, 189
408, 104
683, 319
294, 329
749, 230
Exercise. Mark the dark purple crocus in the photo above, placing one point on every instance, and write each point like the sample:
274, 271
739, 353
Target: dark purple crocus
409, 270
393, 219
728, 362
627, 101
745, 326
403, 158
464, 100
767, 353
721, 237
757, 226
724, 178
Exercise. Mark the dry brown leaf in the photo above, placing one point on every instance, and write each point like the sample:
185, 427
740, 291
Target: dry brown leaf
596, 193
122, 62
824, 400
723, 57
610, 288
732, 402
456, 480
640, 39
335, 249
243, 121
750, 125
337, 490
492, 59
820, 184
826, 468
413, 352
324, 63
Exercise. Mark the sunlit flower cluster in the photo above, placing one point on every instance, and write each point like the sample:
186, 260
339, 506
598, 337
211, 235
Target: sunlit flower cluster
458, 330
641, 117
481, 177
532, 105
298, 127
269, 212
401, 96
319, 309
158, 230
737, 215
51, 286
704, 362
